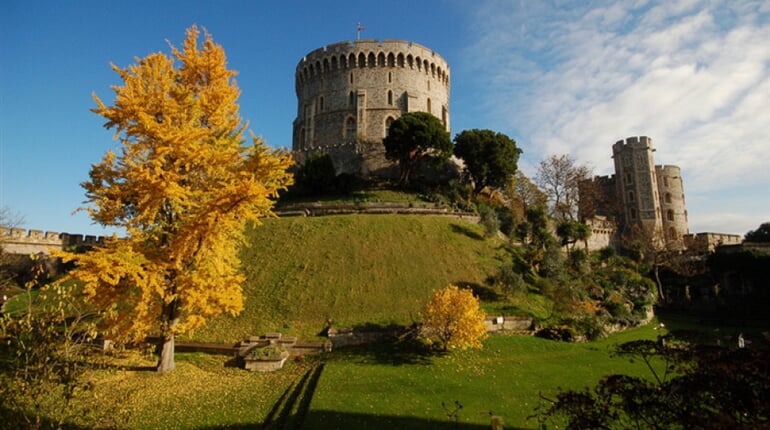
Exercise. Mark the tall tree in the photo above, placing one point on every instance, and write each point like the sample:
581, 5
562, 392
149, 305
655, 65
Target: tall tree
414, 136
490, 158
571, 232
560, 176
761, 234
183, 187
521, 194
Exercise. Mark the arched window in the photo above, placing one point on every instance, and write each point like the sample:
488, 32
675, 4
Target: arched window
400, 60
391, 60
352, 60
670, 215
443, 115
361, 60
334, 63
350, 129
390, 97
410, 61
372, 61
665, 181
672, 233
388, 122
667, 197
381, 59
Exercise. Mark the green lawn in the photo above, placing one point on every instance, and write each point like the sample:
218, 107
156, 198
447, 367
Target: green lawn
352, 270
383, 388
373, 387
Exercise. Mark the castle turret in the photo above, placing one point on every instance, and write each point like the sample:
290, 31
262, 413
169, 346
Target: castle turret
349, 93
636, 183
672, 204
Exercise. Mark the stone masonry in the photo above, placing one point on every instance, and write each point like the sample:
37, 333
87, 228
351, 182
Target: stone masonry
349, 93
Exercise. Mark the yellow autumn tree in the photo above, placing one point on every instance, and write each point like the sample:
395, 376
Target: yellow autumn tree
454, 317
183, 185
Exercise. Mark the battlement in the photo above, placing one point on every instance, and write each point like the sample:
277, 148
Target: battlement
708, 241
23, 241
641, 142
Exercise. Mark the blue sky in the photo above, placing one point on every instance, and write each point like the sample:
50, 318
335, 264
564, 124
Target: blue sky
556, 76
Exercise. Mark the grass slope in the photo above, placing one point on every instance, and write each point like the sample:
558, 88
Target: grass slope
351, 269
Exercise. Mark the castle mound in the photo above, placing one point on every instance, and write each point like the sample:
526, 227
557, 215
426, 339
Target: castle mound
352, 270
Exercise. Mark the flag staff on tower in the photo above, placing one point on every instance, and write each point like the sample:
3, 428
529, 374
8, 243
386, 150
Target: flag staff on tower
359, 29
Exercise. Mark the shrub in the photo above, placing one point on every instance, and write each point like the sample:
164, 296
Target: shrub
270, 352
454, 317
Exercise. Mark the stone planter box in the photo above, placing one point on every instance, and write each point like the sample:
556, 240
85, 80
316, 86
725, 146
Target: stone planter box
265, 365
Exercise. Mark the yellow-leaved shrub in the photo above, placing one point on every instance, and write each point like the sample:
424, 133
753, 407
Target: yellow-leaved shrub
453, 317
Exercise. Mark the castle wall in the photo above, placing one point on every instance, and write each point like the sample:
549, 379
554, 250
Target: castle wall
348, 93
708, 242
26, 242
603, 233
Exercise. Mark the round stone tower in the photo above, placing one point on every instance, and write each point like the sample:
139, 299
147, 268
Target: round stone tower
348, 93
672, 202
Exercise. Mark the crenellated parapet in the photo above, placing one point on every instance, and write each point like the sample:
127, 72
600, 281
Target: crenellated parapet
23, 241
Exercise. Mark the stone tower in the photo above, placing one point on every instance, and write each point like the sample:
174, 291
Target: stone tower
349, 93
648, 195
672, 205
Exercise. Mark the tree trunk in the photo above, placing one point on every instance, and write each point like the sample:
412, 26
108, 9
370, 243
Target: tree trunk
171, 319
166, 346
660, 284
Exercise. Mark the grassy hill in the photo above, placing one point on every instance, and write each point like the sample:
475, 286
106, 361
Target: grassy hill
351, 269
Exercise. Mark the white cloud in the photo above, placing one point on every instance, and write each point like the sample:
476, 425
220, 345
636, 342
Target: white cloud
694, 75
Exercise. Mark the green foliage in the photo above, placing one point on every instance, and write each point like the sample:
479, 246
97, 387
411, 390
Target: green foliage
698, 387
43, 357
606, 253
270, 352
490, 158
317, 176
570, 231
414, 136
761, 234
453, 194
489, 220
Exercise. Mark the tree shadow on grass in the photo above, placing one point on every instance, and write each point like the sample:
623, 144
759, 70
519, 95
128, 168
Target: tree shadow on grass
483, 292
461, 229
394, 353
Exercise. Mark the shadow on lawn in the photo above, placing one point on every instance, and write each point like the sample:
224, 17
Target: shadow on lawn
345, 420
327, 420
460, 229
388, 353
